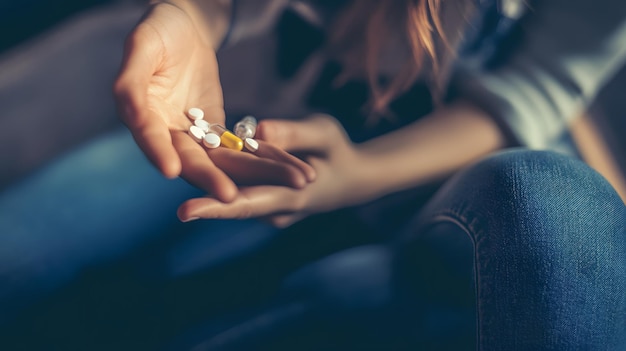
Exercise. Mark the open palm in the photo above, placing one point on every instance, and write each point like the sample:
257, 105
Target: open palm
167, 69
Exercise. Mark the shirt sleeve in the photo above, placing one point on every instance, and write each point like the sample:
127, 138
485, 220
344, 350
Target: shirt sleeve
569, 50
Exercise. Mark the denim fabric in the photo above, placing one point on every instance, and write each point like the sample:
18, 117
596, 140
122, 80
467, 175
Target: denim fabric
91, 251
93, 257
526, 248
549, 238
524, 251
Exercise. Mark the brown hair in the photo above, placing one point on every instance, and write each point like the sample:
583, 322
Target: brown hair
372, 21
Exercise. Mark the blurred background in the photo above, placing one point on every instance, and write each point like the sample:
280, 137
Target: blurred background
58, 60
24, 19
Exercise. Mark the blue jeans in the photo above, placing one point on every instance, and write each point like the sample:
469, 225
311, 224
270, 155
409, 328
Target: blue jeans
547, 237
91, 249
527, 248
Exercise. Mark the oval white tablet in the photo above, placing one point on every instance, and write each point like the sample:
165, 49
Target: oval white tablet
196, 133
195, 113
202, 124
211, 140
251, 144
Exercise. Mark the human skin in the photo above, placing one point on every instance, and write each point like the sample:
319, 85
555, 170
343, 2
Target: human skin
350, 174
161, 78
169, 66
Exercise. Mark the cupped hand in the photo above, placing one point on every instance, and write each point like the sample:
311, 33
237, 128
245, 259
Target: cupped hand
168, 68
342, 176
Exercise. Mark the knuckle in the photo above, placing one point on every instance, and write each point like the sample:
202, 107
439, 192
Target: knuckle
133, 38
331, 127
245, 211
267, 131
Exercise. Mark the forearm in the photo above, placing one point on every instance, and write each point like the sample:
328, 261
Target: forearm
210, 17
429, 149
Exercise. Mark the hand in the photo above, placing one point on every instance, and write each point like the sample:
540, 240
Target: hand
168, 68
342, 176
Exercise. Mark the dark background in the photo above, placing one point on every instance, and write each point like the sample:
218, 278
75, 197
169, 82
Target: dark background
23, 19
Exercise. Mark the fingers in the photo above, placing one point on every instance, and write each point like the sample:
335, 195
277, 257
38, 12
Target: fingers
155, 140
252, 202
315, 134
269, 151
199, 170
247, 169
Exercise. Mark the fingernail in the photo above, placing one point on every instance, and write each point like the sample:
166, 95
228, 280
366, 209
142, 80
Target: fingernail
190, 219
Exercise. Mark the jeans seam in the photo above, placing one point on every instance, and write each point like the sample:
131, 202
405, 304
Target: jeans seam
461, 222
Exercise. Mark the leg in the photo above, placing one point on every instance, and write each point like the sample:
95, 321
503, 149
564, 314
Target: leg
537, 266
548, 240
95, 234
92, 206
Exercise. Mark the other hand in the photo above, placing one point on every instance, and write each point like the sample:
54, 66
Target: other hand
342, 176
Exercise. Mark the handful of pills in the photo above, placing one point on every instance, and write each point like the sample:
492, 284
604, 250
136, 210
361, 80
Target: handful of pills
214, 135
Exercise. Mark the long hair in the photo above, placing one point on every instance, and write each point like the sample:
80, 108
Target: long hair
374, 23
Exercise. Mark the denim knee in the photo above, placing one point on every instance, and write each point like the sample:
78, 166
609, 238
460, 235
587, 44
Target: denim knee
540, 193
534, 191
550, 250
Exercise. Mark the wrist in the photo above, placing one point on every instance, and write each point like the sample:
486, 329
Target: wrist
389, 167
211, 18
370, 177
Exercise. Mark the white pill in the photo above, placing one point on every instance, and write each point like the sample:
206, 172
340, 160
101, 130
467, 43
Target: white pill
211, 140
202, 124
251, 144
196, 133
195, 113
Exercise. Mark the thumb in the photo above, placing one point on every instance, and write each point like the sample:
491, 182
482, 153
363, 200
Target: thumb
315, 134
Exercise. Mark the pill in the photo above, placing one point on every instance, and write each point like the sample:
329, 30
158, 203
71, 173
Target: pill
246, 127
195, 113
196, 133
202, 124
227, 139
251, 144
211, 140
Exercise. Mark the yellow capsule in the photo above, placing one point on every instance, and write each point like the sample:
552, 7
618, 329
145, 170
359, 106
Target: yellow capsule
231, 141
227, 139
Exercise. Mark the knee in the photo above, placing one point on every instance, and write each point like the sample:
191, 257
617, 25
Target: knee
525, 186
537, 203
551, 174
547, 229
